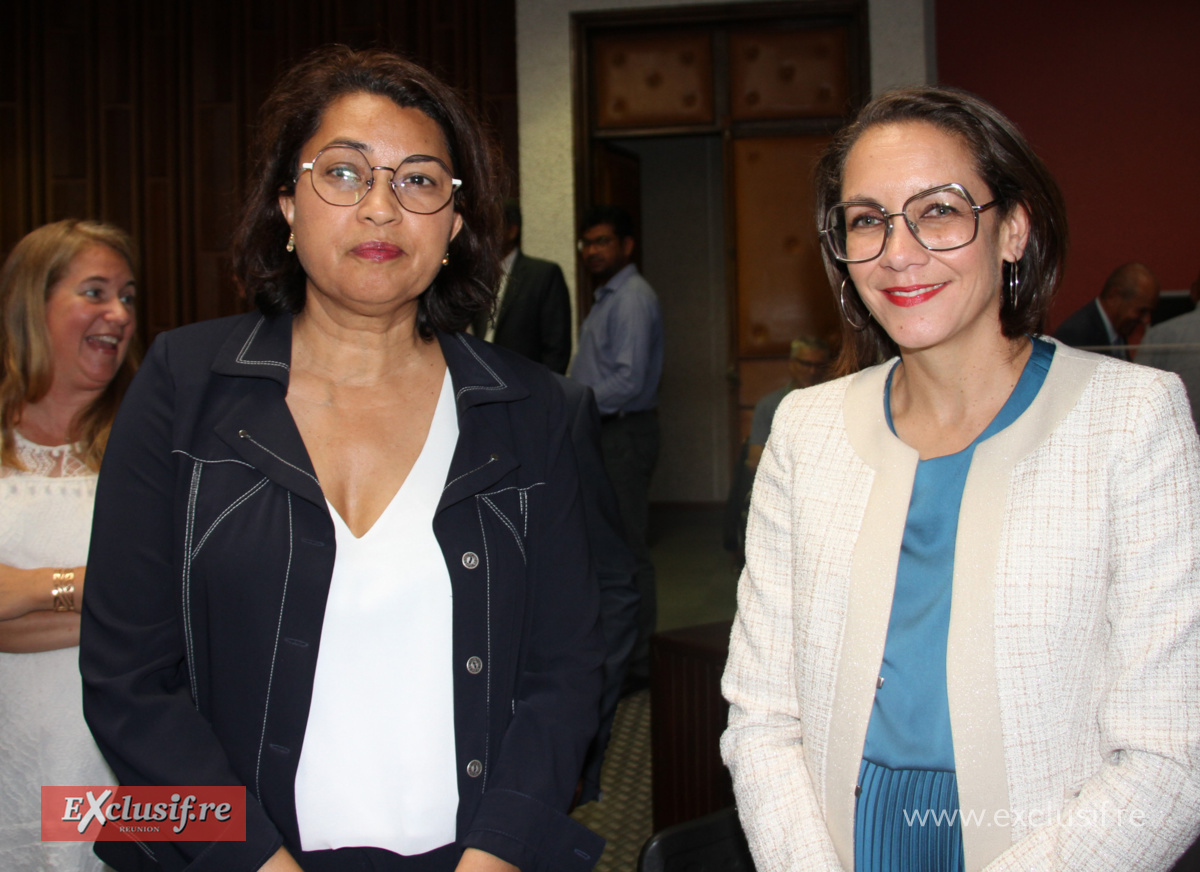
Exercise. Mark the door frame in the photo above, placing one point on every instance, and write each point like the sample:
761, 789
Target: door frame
720, 19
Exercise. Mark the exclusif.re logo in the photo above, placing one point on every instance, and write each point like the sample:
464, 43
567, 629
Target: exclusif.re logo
146, 814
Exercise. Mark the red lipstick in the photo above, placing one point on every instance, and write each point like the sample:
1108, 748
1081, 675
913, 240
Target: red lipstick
912, 295
378, 252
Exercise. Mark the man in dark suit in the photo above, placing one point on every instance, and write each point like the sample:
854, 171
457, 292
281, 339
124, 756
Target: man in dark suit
533, 310
1105, 324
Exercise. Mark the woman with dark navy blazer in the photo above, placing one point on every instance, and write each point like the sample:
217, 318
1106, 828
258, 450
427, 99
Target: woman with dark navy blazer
339, 554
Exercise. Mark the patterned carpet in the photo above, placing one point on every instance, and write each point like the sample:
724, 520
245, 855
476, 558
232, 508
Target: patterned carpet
623, 813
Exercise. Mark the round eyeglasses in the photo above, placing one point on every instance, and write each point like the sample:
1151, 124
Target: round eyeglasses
341, 175
941, 219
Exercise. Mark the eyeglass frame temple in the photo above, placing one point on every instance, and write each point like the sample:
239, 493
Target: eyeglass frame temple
975, 210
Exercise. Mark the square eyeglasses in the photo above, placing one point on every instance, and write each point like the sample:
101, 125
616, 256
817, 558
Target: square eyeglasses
940, 219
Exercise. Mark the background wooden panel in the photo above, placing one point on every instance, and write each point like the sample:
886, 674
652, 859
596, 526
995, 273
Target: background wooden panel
140, 112
789, 73
660, 79
687, 717
782, 289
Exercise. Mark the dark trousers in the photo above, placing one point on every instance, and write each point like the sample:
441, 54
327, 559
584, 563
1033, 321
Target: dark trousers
630, 446
442, 859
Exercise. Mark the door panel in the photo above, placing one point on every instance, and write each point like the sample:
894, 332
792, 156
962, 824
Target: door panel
659, 79
788, 73
782, 291
617, 181
781, 283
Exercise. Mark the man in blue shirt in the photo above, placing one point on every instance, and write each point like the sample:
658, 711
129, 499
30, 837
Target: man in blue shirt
620, 358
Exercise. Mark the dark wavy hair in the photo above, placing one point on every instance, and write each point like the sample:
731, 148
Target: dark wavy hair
1016, 177
273, 277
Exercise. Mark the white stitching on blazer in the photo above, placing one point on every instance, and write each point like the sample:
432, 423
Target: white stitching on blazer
490, 460
218, 460
254, 441
499, 386
287, 574
249, 341
189, 531
522, 499
228, 509
487, 569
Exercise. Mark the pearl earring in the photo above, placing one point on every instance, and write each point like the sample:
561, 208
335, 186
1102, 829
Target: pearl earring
291, 243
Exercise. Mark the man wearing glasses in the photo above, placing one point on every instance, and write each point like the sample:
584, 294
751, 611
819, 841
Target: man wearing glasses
620, 358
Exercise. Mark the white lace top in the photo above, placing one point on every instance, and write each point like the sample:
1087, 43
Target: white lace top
45, 520
46, 461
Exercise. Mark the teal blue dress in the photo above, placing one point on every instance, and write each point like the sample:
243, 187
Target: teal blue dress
906, 815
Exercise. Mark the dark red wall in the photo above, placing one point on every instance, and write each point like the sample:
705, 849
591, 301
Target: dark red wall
1108, 93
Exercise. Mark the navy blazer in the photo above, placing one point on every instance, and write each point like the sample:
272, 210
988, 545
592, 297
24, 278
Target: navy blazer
534, 319
1084, 328
211, 558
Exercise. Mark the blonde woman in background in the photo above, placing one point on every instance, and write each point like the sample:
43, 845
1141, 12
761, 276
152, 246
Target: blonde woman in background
67, 294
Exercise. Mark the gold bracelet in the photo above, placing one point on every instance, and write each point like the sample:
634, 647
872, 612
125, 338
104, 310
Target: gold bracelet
64, 590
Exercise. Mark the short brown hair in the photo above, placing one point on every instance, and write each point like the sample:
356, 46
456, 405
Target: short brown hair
33, 267
291, 115
1011, 169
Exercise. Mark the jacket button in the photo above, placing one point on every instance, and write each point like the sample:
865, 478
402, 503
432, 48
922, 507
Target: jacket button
474, 665
470, 560
474, 768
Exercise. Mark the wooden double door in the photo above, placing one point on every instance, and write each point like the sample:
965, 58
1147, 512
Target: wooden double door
706, 123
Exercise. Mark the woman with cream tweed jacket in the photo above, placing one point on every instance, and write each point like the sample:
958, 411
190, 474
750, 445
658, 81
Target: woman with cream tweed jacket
1073, 663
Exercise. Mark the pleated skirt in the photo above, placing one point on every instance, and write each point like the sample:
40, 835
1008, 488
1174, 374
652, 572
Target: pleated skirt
906, 820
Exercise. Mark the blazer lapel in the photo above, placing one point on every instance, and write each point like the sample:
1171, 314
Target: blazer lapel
258, 425
268, 440
260, 429
483, 386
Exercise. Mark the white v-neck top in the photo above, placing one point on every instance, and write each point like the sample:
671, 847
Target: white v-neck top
378, 764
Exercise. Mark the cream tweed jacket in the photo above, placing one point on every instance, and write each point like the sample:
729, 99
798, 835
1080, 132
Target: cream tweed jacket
1073, 667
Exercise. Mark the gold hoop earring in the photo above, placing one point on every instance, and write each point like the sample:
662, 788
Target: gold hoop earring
291, 243
859, 327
